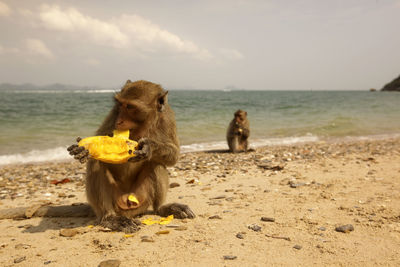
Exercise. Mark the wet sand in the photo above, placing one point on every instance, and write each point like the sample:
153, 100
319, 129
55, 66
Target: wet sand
274, 206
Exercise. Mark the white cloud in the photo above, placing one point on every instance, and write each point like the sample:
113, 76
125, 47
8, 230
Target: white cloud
4, 10
71, 20
37, 47
231, 54
149, 36
122, 32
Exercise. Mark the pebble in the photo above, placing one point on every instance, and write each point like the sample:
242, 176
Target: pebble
218, 197
267, 219
240, 235
215, 217
22, 246
68, 232
345, 228
298, 247
146, 238
181, 228
230, 257
322, 228
254, 227
173, 185
295, 185
110, 263
19, 259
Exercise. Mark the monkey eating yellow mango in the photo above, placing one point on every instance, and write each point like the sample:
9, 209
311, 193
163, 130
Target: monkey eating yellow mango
117, 149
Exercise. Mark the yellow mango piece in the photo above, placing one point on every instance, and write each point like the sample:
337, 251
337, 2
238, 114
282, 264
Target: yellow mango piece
110, 149
166, 220
132, 198
162, 220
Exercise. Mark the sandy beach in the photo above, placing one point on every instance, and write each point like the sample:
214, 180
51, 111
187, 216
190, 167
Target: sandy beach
277, 205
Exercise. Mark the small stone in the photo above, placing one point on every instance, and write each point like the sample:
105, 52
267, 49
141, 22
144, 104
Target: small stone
19, 259
110, 263
146, 238
218, 197
22, 246
172, 225
322, 228
295, 185
215, 217
267, 219
345, 228
181, 228
230, 257
68, 232
298, 247
240, 236
173, 185
254, 227
47, 262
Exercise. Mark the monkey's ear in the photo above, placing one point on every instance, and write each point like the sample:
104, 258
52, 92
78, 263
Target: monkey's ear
127, 82
162, 100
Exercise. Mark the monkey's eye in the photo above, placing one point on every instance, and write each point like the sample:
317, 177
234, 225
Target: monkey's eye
129, 106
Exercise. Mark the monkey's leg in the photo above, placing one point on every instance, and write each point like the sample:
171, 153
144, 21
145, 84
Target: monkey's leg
235, 144
100, 191
151, 189
180, 211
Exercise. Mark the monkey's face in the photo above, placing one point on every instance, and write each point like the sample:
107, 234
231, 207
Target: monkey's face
240, 117
131, 114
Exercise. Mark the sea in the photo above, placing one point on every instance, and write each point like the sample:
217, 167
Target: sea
38, 125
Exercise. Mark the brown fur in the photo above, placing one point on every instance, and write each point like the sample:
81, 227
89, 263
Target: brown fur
141, 107
238, 132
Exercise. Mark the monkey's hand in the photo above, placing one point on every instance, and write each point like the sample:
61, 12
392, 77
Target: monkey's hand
143, 151
180, 211
239, 130
79, 152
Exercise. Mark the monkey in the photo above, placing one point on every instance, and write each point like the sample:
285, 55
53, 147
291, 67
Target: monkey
142, 108
238, 132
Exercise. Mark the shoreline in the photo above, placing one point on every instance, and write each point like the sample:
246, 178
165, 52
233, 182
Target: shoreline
31, 156
278, 205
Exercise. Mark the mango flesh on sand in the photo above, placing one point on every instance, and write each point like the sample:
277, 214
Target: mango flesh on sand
117, 149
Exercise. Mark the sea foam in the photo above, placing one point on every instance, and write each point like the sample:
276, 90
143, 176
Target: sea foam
52, 154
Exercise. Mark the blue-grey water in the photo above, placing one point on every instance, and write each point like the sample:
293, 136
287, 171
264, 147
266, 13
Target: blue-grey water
39, 125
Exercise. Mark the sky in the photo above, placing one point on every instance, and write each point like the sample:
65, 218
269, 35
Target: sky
209, 44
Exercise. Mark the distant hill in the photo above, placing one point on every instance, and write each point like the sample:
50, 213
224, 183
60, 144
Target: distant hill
393, 85
55, 86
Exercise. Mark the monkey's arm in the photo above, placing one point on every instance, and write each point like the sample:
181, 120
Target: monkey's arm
149, 149
245, 132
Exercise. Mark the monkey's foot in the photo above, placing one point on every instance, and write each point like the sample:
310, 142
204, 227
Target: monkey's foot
180, 211
121, 224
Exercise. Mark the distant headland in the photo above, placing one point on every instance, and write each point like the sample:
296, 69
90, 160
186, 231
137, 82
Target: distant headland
393, 85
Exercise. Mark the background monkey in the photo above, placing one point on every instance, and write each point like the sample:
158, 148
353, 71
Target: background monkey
142, 108
238, 132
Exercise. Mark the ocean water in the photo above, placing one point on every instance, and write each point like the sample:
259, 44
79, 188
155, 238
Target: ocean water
38, 125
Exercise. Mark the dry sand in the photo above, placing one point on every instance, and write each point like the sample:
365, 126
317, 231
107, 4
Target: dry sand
304, 192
